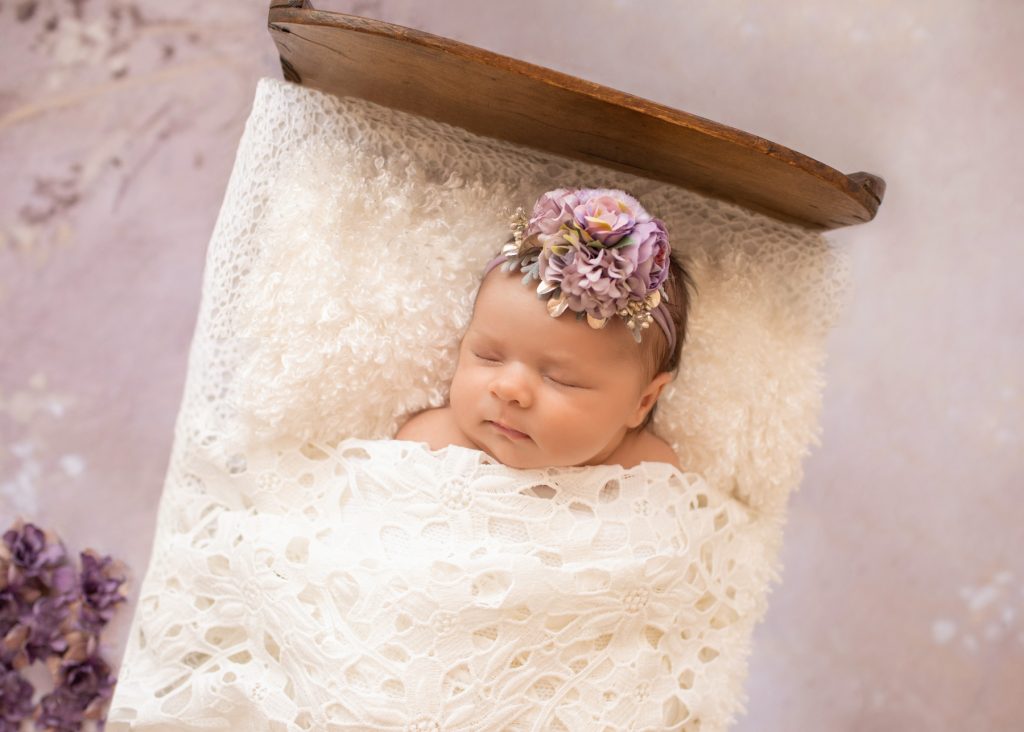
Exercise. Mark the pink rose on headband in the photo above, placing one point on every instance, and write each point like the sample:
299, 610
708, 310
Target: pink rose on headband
595, 216
608, 216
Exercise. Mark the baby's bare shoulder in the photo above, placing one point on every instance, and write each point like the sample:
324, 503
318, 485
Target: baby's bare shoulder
646, 447
436, 427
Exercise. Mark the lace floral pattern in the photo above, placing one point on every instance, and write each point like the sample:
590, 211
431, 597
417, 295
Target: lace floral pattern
385, 586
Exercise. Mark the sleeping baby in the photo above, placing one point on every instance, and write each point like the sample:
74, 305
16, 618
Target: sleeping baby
535, 386
528, 557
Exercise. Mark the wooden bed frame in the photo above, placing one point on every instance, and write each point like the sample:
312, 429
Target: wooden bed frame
505, 98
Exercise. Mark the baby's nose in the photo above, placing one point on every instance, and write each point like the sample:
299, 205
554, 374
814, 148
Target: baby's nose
512, 385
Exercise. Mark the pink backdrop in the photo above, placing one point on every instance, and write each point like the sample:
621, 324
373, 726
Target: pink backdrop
904, 581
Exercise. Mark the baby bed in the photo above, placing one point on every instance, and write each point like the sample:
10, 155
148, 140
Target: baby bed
366, 197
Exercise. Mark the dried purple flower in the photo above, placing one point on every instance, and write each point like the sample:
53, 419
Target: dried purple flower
15, 699
47, 624
64, 581
60, 711
100, 590
87, 680
30, 555
11, 610
83, 690
50, 613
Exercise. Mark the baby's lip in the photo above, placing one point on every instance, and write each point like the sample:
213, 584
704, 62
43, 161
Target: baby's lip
509, 432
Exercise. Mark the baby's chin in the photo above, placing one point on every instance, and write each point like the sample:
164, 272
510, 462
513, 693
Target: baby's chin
524, 459
521, 454
511, 456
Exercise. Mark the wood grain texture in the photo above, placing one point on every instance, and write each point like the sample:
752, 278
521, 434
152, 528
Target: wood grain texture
498, 96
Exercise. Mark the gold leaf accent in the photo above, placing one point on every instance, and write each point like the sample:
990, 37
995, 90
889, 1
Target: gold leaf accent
596, 323
557, 305
545, 287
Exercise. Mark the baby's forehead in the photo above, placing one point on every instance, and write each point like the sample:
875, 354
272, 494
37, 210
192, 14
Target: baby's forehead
511, 315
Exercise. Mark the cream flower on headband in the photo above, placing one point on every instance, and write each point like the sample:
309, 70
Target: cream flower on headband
595, 251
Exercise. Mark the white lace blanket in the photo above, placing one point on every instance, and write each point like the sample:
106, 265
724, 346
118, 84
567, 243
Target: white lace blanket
379, 585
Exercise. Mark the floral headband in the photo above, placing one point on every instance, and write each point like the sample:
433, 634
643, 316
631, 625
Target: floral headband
597, 252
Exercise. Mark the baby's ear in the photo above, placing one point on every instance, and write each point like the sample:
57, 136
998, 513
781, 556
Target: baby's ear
648, 398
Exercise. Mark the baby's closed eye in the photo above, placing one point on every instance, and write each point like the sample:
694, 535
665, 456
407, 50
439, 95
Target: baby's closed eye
487, 357
565, 381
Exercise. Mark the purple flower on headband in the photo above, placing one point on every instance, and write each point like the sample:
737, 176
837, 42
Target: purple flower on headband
596, 281
595, 251
607, 216
594, 217
551, 211
600, 248
652, 253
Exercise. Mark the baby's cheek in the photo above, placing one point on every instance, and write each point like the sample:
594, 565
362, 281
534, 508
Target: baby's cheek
461, 396
598, 416
455, 389
580, 418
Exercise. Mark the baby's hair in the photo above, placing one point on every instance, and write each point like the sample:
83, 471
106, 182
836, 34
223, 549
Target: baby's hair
680, 288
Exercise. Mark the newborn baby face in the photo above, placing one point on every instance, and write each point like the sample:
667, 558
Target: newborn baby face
536, 391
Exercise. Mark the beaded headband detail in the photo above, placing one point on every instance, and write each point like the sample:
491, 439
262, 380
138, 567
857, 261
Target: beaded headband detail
596, 252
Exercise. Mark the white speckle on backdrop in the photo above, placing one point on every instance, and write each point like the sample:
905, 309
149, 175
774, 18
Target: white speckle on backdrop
943, 631
24, 405
73, 465
980, 597
988, 613
19, 495
29, 414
